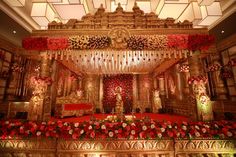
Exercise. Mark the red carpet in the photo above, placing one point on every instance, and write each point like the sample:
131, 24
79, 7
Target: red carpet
159, 117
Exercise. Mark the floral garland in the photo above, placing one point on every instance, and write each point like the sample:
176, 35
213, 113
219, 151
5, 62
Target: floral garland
137, 42
89, 42
214, 67
232, 62
195, 80
226, 73
184, 68
57, 43
178, 41
35, 43
199, 42
195, 42
40, 81
138, 129
17, 68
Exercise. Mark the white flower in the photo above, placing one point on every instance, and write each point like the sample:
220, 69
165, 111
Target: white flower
76, 125
133, 132
169, 126
163, 129
90, 127
12, 124
6, 122
153, 126
178, 134
22, 127
184, 127
133, 124
197, 127
216, 126
70, 131
103, 126
229, 134
38, 133
81, 131
197, 134
28, 131
116, 131
144, 127
65, 124
111, 134
44, 123
176, 127
207, 126
204, 130
159, 135
124, 125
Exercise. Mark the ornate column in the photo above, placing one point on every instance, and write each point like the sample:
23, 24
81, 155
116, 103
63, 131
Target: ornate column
179, 82
135, 92
40, 103
200, 102
101, 93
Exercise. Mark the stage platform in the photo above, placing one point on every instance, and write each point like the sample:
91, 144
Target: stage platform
154, 116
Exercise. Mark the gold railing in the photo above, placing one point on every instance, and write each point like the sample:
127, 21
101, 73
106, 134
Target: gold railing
104, 148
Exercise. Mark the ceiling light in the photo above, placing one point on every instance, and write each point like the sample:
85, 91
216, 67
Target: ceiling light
222, 32
54, 1
42, 13
144, 5
73, 11
210, 14
167, 8
205, 2
74, 1
15, 3
14, 32
122, 2
192, 13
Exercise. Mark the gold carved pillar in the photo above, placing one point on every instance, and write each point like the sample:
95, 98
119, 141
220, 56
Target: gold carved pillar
179, 83
135, 92
40, 103
101, 93
200, 102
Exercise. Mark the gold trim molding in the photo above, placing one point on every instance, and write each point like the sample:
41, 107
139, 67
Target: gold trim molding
139, 148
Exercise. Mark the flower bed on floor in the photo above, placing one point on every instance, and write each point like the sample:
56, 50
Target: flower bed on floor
137, 129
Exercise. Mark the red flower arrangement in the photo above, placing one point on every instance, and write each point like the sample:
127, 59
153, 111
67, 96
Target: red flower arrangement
178, 41
197, 79
200, 42
57, 43
35, 43
138, 129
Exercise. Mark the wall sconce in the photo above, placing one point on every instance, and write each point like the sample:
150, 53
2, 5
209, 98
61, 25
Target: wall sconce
210, 14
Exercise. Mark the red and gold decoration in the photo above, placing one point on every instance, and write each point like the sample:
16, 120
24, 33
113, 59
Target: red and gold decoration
138, 129
214, 67
197, 42
232, 62
110, 83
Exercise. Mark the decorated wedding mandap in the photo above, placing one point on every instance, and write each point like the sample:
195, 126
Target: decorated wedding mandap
119, 84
